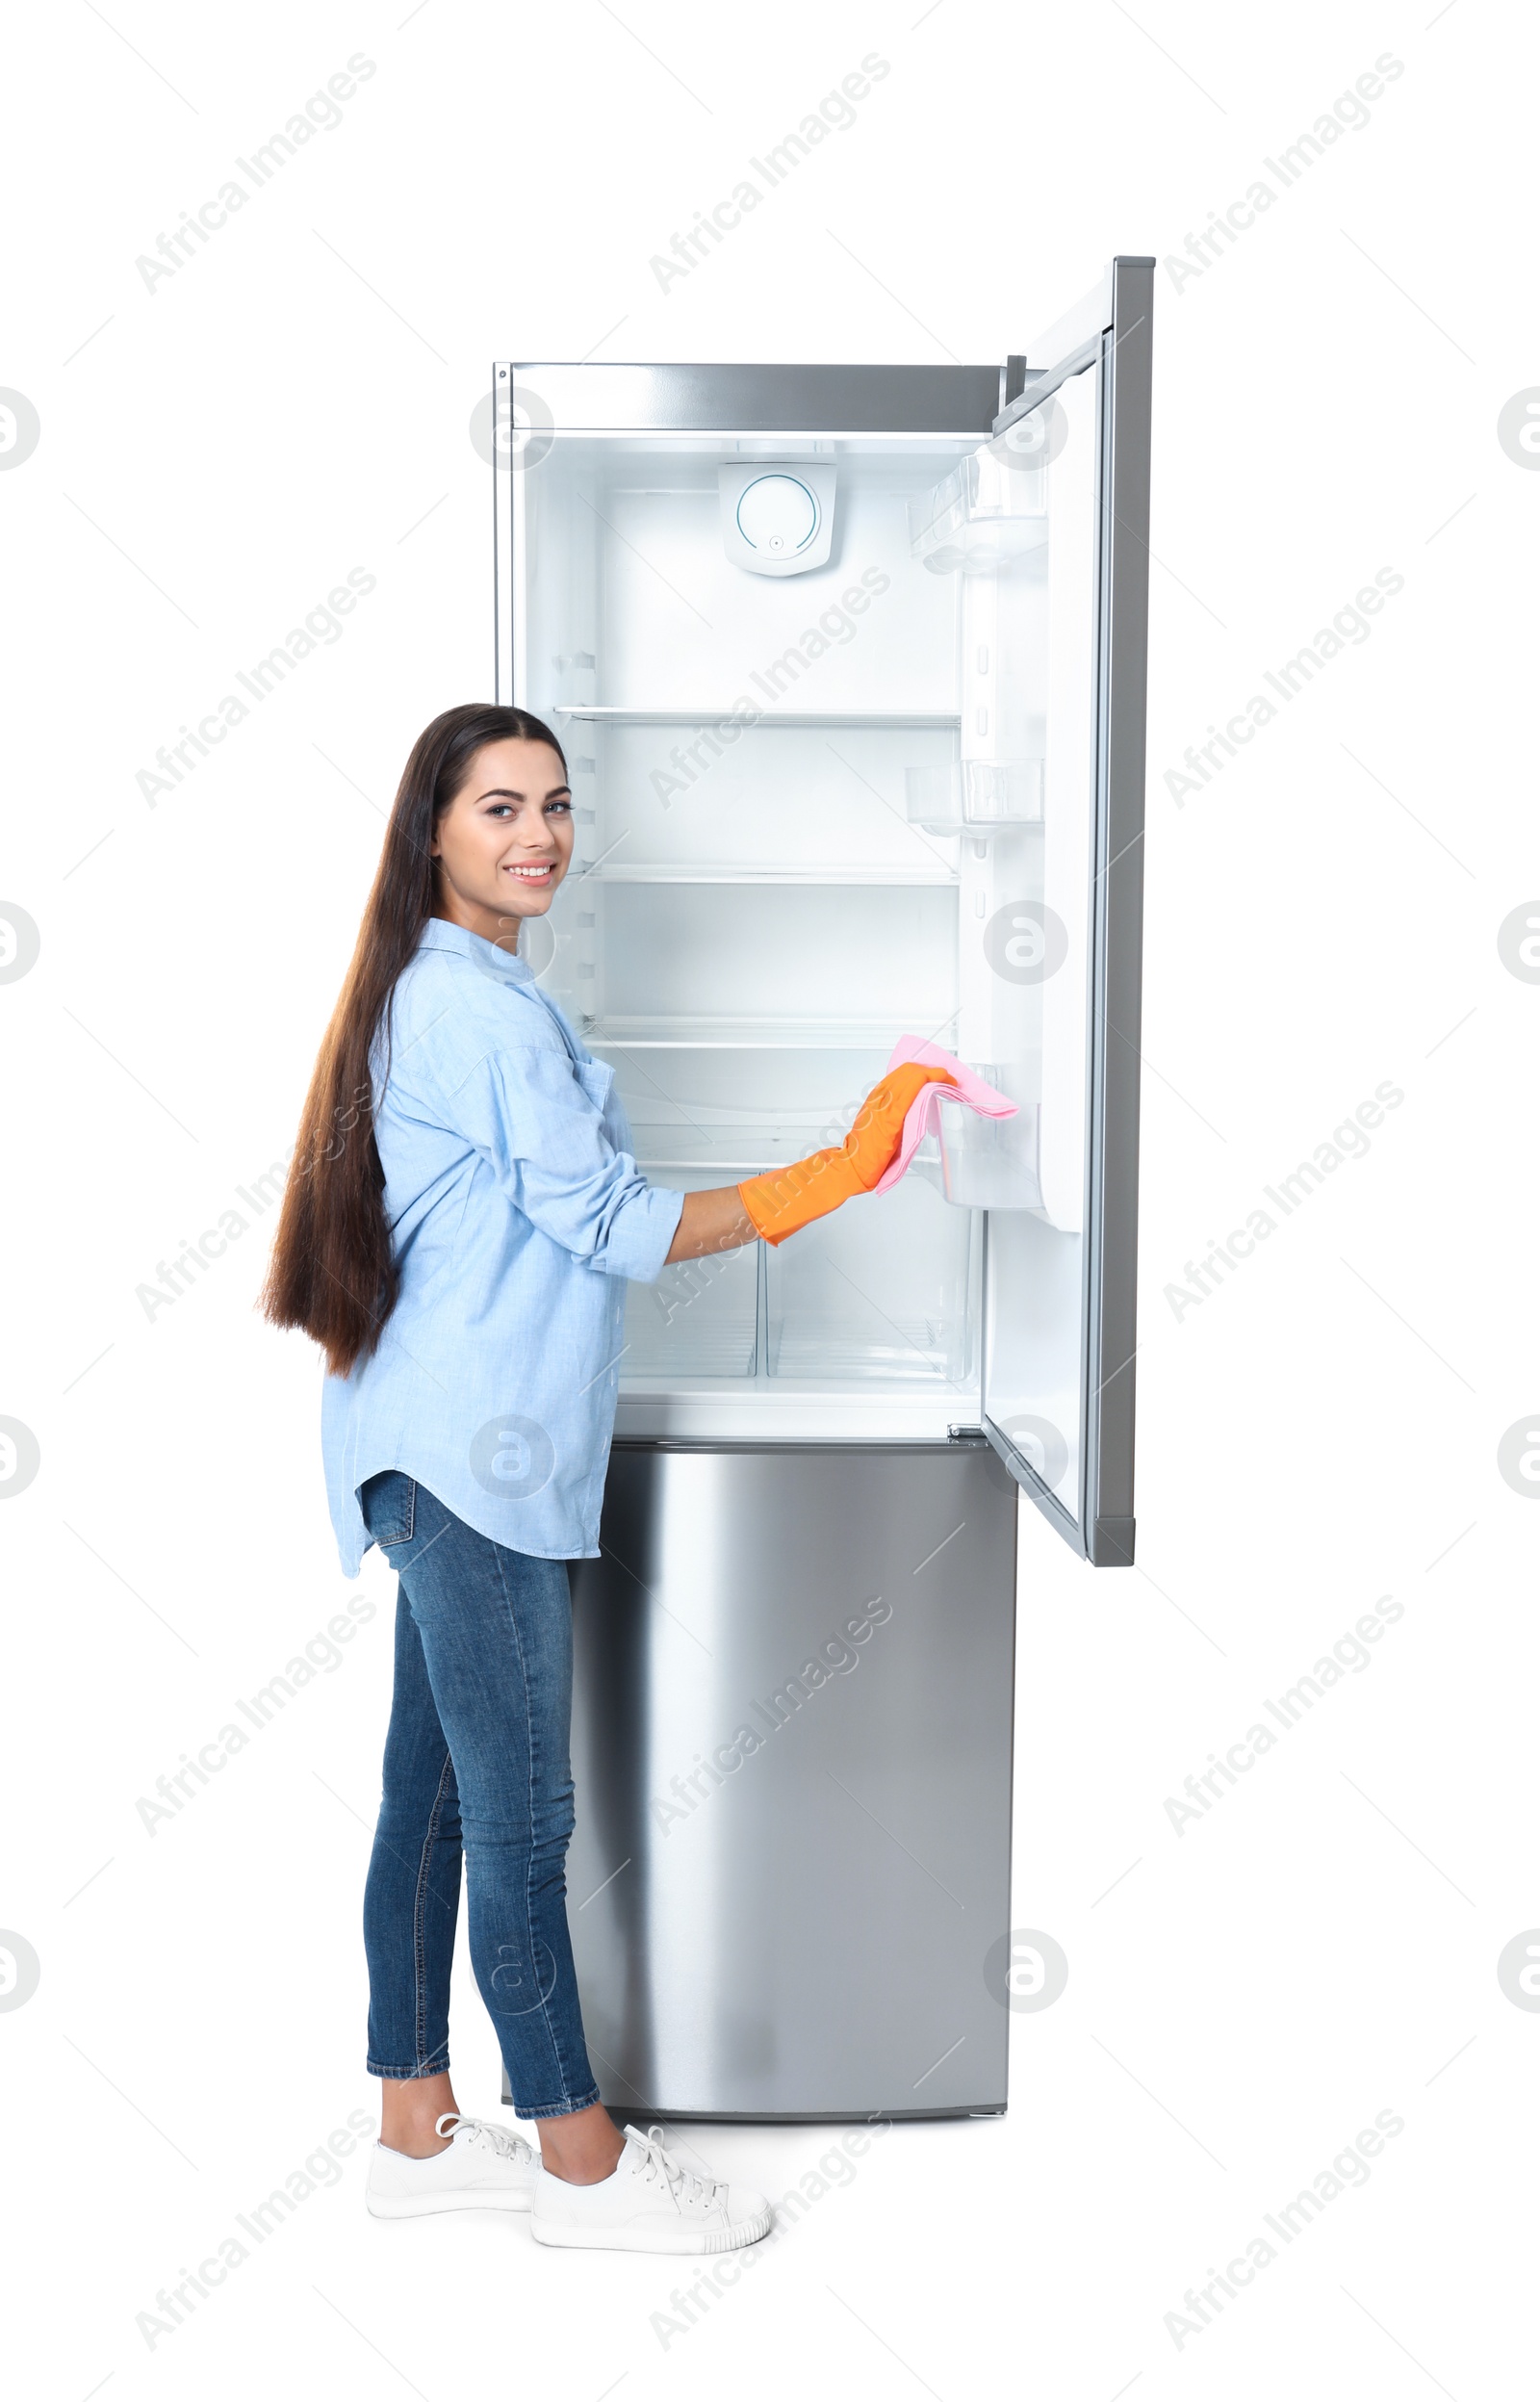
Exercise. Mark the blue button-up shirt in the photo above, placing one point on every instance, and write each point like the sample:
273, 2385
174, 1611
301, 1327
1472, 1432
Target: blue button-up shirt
518, 1213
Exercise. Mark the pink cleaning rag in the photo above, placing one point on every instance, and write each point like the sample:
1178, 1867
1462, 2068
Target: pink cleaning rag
925, 1110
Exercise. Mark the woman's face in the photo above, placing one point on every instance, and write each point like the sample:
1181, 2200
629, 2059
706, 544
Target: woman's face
504, 842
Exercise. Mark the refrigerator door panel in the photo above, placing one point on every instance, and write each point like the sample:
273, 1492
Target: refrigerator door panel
1062, 920
792, 1747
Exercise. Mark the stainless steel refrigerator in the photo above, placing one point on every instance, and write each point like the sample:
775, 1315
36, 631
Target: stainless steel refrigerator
849, 663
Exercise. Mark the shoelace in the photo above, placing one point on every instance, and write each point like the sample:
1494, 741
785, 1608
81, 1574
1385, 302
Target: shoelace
511, 2147
687, 2190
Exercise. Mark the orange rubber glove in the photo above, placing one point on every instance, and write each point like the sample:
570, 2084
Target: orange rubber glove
789, 1197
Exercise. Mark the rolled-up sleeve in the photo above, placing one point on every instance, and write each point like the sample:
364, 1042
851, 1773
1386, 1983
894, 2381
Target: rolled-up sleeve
536, 1116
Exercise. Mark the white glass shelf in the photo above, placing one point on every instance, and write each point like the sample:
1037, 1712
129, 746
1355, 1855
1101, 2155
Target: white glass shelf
729, 1170
590, 713
779, 1034
662, 873
706, 1146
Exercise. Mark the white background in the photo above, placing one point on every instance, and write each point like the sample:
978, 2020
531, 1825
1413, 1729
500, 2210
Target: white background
215, 455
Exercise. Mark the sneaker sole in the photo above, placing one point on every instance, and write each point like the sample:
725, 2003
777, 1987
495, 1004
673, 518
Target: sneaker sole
684, 2240
409, 2206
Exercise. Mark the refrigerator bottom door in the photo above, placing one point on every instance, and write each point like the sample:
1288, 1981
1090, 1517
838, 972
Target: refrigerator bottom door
791, 1747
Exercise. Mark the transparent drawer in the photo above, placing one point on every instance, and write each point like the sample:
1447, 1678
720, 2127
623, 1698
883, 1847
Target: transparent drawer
989, 509
881, 1289
975, 792
701, 1318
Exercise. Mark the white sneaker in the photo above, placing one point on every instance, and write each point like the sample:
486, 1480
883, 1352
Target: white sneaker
650, 2203
483, 2168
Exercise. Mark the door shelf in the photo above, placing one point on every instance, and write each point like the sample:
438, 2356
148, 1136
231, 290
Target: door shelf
590, 715
991, 509
972, 795
992, 1163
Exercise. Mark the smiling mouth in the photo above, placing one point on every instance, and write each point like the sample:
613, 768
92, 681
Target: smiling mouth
532, 875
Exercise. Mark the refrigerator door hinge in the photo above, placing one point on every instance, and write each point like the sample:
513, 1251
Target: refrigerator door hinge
966, 1435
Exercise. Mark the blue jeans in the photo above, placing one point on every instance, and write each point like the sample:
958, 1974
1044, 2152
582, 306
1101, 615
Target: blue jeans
476, 1752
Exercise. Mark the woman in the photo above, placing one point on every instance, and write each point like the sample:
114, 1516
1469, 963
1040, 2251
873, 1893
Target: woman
457, 1231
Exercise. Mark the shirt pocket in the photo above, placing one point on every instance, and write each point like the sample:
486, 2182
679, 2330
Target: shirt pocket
599, 1083
596, 1079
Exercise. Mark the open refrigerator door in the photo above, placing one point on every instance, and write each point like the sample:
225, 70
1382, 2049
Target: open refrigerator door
1063, 932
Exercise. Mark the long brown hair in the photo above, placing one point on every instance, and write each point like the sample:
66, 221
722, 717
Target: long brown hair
333, 1271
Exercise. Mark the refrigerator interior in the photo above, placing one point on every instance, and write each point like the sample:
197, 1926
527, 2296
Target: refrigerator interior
816, 811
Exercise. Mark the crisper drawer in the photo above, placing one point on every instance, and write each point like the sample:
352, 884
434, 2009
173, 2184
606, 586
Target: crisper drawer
701, 1318
881, 1289
884, 1289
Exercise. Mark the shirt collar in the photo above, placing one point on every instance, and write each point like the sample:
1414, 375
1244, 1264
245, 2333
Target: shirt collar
438, 934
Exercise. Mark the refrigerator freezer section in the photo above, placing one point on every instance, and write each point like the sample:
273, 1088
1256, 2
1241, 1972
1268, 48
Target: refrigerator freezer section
791, 1747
